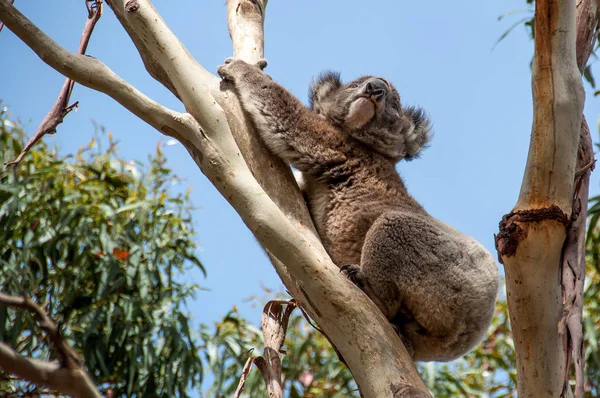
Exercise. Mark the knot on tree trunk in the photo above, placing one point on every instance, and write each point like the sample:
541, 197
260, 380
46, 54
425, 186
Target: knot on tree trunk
515, 225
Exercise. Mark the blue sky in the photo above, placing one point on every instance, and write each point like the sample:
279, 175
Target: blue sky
440, 55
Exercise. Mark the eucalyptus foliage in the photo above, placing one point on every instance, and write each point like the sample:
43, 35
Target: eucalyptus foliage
101, 244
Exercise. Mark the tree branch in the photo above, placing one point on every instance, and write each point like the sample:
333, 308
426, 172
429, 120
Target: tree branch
67, 357
153, 68
371, 348
67, 376
89, 72
61, 106
274, 324
1, 23
74, 382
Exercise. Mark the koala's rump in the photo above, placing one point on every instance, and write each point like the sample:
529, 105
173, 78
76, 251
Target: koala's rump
445, 281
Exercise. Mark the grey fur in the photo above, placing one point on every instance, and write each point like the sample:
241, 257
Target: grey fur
437, 286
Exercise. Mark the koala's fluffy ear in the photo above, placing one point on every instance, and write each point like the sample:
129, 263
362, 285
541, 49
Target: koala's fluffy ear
418, 134
322, 85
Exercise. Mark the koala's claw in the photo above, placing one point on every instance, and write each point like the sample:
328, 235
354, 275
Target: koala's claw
262, 64
353, 273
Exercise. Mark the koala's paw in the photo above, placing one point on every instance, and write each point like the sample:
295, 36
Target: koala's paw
407, 343
354, 274
233, 67
261, 64
228, 69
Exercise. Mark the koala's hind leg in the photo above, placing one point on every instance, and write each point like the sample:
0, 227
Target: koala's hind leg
407, 263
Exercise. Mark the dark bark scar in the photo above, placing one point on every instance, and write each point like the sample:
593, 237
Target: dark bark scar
515, 226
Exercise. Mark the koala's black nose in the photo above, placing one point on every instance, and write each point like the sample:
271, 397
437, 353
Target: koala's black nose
376, 88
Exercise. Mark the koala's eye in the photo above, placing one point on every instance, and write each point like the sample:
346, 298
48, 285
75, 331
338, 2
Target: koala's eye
395, 106
354, 85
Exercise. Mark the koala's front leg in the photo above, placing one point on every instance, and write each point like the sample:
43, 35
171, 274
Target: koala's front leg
288, 128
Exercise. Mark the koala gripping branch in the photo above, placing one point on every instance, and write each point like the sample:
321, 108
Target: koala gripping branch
514, 227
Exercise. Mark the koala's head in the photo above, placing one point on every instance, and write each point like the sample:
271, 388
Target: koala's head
369, 110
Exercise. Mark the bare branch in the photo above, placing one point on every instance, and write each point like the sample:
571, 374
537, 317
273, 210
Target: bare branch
587, 21
532, 236
74, 382
573, 256
245, 20
556, 78
67, 376
274, 326
245, 372
67, 357
60, 109
573, 271
152, 66
90, 72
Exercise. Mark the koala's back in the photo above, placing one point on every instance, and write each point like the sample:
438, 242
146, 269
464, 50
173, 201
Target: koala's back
345, 209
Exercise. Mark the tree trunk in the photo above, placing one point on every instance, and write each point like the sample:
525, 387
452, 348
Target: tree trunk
532, 236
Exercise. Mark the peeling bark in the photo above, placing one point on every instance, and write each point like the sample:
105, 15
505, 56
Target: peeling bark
573, 258
515, 226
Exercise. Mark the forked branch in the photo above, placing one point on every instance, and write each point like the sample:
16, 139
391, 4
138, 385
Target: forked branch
67, 376
275, 319
573, 256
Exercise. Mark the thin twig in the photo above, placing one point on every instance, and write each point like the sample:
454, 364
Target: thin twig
61, 109
245, 371
274, 327
579, 173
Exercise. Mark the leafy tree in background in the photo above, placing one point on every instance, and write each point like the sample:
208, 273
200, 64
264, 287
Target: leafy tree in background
101, 244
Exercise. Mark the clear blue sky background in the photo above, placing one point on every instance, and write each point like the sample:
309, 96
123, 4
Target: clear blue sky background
440, 55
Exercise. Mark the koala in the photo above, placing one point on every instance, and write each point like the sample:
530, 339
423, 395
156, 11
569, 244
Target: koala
435, 285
